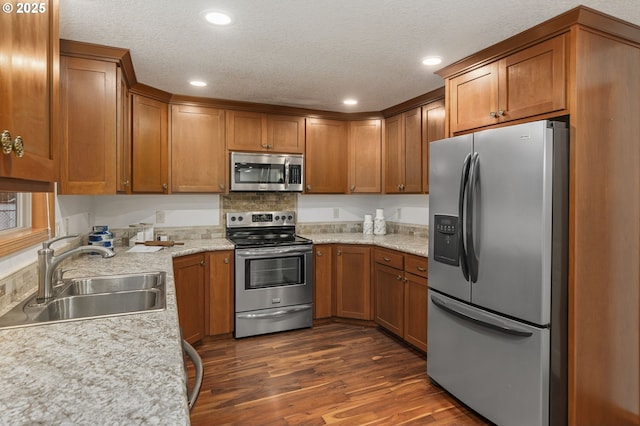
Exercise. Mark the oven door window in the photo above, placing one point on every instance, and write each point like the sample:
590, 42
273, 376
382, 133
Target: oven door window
258, 173
274, 272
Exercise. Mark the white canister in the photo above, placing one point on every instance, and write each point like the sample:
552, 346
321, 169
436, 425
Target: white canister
379, 226
379, 213
367, 225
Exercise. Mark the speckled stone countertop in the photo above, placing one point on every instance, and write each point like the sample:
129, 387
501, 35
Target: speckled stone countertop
120, 370
405, 243
124, 370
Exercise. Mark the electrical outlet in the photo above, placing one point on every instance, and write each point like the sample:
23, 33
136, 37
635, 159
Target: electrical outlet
159, 216
336, 213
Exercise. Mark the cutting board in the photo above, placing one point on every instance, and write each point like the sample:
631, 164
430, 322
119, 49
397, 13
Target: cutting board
161, 243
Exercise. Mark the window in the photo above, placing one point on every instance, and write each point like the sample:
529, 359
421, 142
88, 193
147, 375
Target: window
25, 220
15, 211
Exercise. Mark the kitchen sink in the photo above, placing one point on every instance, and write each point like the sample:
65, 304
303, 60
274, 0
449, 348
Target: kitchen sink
112, 283
92, 297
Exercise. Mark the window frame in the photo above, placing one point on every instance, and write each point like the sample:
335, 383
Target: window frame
42, 224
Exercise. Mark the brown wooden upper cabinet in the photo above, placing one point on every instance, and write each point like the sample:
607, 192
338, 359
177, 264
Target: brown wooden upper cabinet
198, 155
433, 129
259, 132
403, 153
150, 145
123, 137
29, 107
365, 156
88, 126
326, 157
524, 84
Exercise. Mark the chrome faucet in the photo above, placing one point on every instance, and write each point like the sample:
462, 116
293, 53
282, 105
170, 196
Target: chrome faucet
47, 264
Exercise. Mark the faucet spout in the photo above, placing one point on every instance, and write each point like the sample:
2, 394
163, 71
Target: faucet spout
48, 263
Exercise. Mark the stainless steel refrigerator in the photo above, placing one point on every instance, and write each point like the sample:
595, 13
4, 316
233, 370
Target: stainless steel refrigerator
497, 322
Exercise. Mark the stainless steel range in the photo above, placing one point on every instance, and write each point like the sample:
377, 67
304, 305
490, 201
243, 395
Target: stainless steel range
274, 273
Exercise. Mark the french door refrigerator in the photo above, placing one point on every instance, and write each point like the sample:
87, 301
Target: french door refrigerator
497, 313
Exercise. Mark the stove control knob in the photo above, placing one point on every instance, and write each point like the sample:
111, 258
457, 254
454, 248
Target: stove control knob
233, 218
290, 217
240, 218
278, 218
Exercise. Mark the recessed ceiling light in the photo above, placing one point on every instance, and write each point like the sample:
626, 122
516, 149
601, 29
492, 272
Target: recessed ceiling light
350, 102
197, 83
218, 18
432, 60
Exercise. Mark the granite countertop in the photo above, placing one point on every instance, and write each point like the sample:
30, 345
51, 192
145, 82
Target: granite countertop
405, 243
126, 369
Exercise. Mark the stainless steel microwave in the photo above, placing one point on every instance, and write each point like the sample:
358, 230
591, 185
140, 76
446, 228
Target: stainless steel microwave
266, 172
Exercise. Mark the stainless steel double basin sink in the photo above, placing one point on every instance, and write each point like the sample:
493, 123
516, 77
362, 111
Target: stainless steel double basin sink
93, 297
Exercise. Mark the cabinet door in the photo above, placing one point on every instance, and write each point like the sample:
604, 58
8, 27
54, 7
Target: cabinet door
393, 154
220, 309
389, 298
189, 275
285, 133
326, 158
88, 126
246, 131
323, 306
150, 147
415, 310
198, 160
433, 125
473, 97
532, 81
412, 182
365, 156
29, 81
123, 137
353, 281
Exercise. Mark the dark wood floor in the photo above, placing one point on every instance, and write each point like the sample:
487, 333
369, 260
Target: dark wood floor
331, 374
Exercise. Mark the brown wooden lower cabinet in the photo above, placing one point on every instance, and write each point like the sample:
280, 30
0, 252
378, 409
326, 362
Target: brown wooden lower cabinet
400, 282
353, 281
204, 293
189, 274
221, 294
323, 305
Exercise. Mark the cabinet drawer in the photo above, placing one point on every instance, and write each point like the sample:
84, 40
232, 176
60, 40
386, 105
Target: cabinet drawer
389, 258
416, 265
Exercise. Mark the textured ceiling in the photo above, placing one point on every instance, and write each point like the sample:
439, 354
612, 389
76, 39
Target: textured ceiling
308, 53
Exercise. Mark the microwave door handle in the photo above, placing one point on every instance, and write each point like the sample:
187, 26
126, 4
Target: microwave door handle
286, 173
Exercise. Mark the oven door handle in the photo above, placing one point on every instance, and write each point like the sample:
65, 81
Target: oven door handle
276, 314
271, 251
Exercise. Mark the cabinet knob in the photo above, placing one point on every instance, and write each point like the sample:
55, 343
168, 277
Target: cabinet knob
492, 114
202, 263
270, 146
404, 279
226, 260
353, 188
339, 253
7, 145
500, 113
318, 253
399, 278
308, 187
126, 183
18, 146
165, 186
221, 185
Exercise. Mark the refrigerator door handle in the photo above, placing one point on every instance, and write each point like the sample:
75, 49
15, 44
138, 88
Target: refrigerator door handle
471, 253
464, 181
485, 322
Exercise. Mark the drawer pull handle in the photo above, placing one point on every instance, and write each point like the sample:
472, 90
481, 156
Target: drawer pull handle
421, 269
386, 259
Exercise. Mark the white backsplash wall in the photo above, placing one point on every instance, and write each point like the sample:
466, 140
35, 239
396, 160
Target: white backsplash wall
409, 209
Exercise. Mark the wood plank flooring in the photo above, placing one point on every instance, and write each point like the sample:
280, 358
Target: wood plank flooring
338, 374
